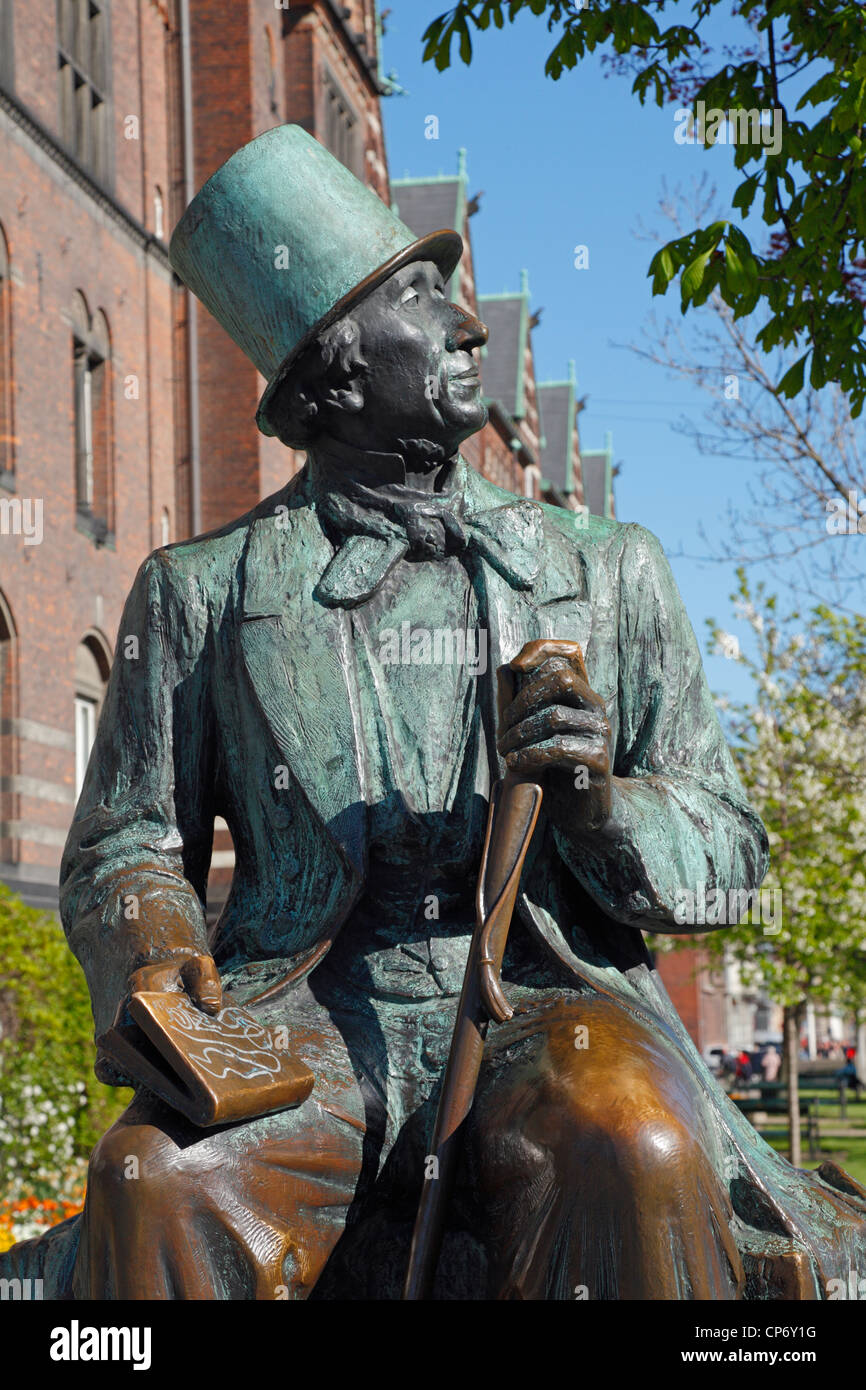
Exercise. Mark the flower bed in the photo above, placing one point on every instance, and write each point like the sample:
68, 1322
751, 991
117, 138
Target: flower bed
22, 1218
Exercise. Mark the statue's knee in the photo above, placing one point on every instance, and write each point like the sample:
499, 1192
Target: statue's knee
115, 1159
624, 1144
657, 1148
607, 1113
133, 1160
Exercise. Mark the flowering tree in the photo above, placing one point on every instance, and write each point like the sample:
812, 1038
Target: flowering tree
801, 750
52, 1108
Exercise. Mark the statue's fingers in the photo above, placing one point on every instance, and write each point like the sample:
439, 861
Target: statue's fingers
534, 654
552, 722
568, 753
163, 977
558, 686
202, 980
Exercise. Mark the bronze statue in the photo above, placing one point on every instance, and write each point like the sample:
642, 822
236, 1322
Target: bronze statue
324, 673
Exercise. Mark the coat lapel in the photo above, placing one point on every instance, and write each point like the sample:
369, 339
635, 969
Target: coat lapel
299, 659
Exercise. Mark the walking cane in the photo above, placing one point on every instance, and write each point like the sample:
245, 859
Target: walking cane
513, 814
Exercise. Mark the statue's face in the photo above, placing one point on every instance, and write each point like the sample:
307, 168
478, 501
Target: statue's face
421, 380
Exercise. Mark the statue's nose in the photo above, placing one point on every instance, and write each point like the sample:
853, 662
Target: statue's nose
468, 332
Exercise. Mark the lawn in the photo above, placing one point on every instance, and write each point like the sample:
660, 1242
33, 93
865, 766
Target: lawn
849, 1153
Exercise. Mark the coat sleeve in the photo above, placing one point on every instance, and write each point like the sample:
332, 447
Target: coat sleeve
134, 870
680, 818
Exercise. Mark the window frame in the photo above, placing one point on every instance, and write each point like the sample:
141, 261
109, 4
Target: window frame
333, 90
91, 355
87, 705
88, 140
85, 362
92, 669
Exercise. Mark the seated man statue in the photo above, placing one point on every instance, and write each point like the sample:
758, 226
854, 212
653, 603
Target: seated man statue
285, 677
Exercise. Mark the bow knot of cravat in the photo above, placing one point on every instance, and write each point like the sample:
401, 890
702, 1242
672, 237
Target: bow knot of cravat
433, 531
429, 527
373, 529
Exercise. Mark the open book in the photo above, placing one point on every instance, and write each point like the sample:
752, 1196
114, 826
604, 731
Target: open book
213, 1069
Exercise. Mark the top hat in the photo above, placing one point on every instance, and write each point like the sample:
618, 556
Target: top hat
282, 240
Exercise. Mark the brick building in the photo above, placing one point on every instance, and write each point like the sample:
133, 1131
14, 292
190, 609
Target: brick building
126, 413
93, 457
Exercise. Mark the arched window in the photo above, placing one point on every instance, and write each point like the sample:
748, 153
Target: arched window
94, 472
7, 432
92, 665
8, 841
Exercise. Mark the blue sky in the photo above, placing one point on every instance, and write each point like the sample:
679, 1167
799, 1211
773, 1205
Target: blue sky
578, 162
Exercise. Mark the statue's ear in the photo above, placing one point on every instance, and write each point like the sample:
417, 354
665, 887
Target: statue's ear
294, 412
347, 397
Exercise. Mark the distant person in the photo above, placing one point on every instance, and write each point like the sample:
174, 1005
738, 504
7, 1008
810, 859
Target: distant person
847, 1074
744, 1066
771, 1063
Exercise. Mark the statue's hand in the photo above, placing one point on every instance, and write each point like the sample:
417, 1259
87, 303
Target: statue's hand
197, 974
555, 730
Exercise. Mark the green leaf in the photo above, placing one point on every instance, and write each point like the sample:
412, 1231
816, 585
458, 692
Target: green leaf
432, 38
662, 269
745, 194
792, 382
693, 276
734, 273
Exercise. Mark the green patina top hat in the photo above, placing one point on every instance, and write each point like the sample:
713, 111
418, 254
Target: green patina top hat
282, 240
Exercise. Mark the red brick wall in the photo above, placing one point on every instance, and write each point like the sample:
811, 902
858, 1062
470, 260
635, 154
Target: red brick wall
488, 451
34, 46
698, 993
62, 240
679, 971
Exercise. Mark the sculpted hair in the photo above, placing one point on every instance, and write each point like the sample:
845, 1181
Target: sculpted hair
334, 359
